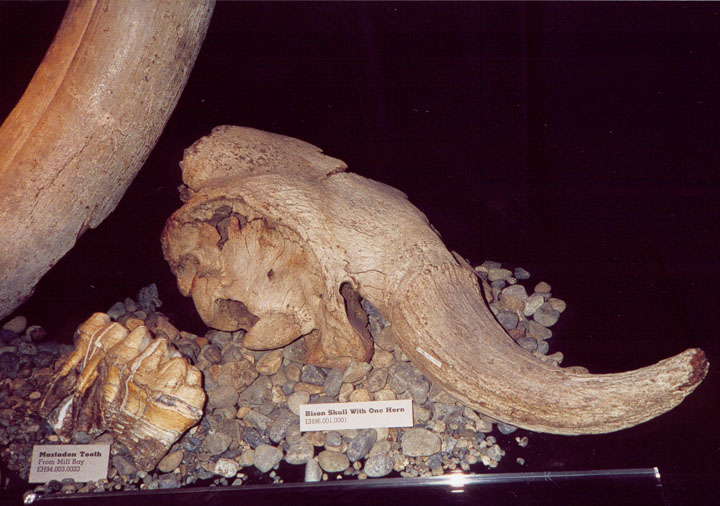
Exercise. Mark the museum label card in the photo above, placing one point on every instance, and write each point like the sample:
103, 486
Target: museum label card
356, 415
82, 463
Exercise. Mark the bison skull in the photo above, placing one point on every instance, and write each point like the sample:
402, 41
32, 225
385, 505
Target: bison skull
277, 238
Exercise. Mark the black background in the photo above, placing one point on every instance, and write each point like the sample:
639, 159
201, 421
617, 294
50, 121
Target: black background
579, 141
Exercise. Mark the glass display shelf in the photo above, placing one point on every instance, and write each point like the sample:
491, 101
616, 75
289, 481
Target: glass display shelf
640, 487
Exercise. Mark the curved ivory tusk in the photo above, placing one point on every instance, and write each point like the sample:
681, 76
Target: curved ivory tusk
86, 124
294, 214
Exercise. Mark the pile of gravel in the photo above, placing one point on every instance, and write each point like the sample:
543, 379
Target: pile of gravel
250, 432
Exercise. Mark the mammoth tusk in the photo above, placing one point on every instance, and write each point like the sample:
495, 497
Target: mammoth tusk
299, 228
86, 124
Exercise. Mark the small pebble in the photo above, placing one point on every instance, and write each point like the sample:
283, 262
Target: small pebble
361, 444
521, 273
420, 442
227, 468
546, 315
543, 287
295, 399
267, 457
508, 319
313, 472
270, 363
16, 324
355, 372
332, 461
377, 466
170, 461
299, 453
495, 274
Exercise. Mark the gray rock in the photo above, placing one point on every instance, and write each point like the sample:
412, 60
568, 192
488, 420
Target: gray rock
532, 304
313, 375
116, 310
508, 319
543, 287
295, 352
296, 399
254, 438
124, 465
496, 274
9, 365
68, 486
490, 264
170, 461
216, 442
538, 331
517, 291
219, 337
299, 453
361, 444
232, 353
355, 372
332, 461
496, 287
227, 468
267, 457
258, 420
521, 273
166, 481
293, 434
419, 391
333, 380
528, 343
16, 325
443, 410
434, 461
542, 347
333, 438
130, 305
420, 443
7, 336
546, 315
43, 359
402, 374
81, 437
495, 452
377, 379
506, 428
378, 465
148, 298
212, 354
282, 418
52, 347
222, 397
313, 472
259, 392
191, 443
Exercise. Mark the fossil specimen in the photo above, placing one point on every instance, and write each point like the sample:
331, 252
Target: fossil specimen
86, 124
127, 382
277, 238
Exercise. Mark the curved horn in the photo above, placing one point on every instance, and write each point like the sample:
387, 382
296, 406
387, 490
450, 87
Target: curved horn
290, 211
86, 124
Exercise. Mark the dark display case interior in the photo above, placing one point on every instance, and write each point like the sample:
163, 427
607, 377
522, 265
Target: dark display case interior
579, 141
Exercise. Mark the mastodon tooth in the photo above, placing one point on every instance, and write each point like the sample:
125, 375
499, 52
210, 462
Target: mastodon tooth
128, 383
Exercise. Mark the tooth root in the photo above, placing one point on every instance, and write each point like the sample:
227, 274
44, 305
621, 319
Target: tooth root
138, 388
